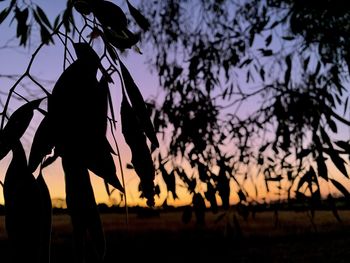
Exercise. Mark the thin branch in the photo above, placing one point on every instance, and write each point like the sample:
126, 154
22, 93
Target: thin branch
26, 73
65, 50
39, 85
64, 44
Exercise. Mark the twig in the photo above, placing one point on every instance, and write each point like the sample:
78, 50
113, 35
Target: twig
39, 85
26, 74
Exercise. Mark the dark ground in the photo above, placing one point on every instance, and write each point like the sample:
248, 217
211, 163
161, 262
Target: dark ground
293, 238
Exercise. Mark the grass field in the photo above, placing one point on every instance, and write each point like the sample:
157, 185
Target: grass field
293, 238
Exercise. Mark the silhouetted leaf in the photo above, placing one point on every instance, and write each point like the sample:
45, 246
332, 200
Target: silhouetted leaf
22, 209
169, 179
306, 63
43, 16
110, 15
202, 172
129, 166
122, 40
81, 127
157, 190
288, 38
223, 187
187, 214
70, 121
16, 126
82, 207
288, 70
22, 28
4, 13
325, 137
346, 105
45, 219
306, 178
85, 52
67, 17
266, 52
191, 183
139, 18
241, 196
303, 153
245, 62
322, 167
264, 147
141, 156
83, 6
268, 40
338, 161
262, 74
139, 105
42, 145
107, 188
341, 188
344, 145
332, 125
45, 35
56, 22
111, 51
98, 159
210, 196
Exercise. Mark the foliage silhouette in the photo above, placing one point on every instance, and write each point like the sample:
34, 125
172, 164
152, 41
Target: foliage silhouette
141, 158
24, 232
263, 83
287, 60
73, 127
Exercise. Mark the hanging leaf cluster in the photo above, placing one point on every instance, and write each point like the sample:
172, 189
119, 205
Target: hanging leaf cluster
24, 17
24, 194
113, 21
73, 128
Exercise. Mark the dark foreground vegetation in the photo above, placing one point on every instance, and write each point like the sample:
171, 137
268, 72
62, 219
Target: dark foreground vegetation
251, 93
226, 237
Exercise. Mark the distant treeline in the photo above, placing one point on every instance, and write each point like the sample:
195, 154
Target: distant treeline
340, 203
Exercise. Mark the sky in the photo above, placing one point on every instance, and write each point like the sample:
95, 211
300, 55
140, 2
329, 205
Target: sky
47, 67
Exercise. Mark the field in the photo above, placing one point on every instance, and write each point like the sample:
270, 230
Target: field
164, 238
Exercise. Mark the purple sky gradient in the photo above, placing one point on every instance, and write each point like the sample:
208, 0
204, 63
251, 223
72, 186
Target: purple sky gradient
48, 65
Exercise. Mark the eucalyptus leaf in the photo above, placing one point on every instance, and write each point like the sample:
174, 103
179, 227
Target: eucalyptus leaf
141, 156
138, 105
16, 126
42, 145
139, 18
22, 209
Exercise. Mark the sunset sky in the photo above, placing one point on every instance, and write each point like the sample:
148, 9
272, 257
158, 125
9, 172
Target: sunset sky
48, 66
